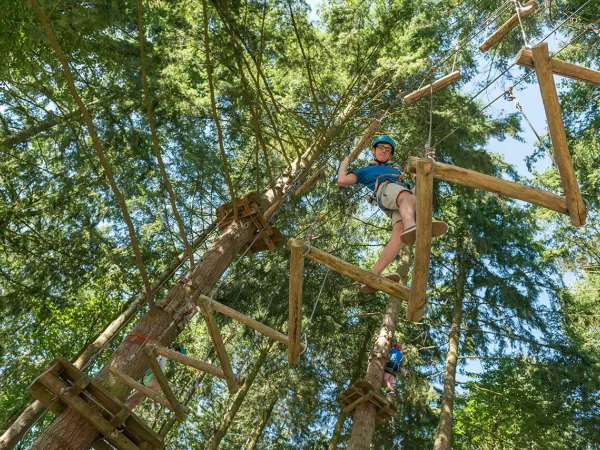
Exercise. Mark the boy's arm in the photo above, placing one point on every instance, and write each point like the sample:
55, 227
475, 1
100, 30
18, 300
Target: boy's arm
345, 178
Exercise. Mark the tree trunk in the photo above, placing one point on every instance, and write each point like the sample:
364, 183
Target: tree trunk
264, 419
337, 430
159, 325
364, 414
234, 407
45, 125
34, 410
443, 435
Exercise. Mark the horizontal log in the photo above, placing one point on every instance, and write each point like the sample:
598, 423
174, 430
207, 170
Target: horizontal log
362, 144
562, 68
309, 183
496, 185
357, 274
507, 26
435, 86
191, 362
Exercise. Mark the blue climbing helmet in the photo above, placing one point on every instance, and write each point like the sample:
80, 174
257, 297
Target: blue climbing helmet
385, 139
179, 348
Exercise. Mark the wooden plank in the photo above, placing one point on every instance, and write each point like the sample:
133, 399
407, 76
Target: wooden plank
85, 410
38, 390
357, 402
417, 300
191, 362
437, 85
308, 184
496, 185
154, 396
164, 384
357, 274
215, 334
297, 249
507, 26
562, 68
371, 129
543, 70
254, 324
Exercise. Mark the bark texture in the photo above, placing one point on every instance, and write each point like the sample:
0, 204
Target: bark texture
443, 435
364, 414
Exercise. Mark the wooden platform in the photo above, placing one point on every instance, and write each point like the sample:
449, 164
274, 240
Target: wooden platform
62, 385
362, 391
269, 238
247, 206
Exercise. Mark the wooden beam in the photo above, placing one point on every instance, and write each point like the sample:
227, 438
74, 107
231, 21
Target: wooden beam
562, 68
496, 185
191, 362
95, 417
46, 398
371, 129
297, 249
437, 85
417, 301
358, 401
357, 274
215, 334
309, 183
154, 396
254, 324
507, 26
575, 205
175, 406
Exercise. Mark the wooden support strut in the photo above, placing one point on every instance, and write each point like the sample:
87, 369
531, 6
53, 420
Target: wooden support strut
417, 301
371, 129
496, 185
203, 302
175, 406
562, 68
507, 26
543, 69
433, 87
295, 311
356, 273
190, 362
309, 183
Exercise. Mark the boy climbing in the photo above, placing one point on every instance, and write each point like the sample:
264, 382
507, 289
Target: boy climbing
394, 196
391, 370
149, 380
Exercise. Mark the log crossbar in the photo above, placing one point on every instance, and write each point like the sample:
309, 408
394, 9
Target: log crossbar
356, 273
433, 87
190, 362
308, 184
496, 185
543, 69
507, 26
175, 406
295, 309
215, 334
417, 301
371, 129
564, 69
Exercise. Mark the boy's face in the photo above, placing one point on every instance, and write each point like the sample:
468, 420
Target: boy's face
382, 152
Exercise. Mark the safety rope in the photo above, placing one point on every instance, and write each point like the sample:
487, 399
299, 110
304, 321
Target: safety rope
518, 9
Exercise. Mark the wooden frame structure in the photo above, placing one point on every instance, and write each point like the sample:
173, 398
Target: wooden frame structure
371, 129
363, 391
558, 67
507, 26
433, 87
62, 385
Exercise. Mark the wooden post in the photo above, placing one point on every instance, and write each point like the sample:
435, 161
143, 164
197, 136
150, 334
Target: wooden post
297, 249
371, 129
164, 384
357, 274
437, 85
543, 70
213, 329
155, 396
309, 183
254, 324
418, 299
191, 362
496, 185
562, 68
505, 28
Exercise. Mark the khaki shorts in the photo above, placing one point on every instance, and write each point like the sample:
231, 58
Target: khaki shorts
387, 194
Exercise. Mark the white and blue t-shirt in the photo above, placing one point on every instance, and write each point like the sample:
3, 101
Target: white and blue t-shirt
368, 176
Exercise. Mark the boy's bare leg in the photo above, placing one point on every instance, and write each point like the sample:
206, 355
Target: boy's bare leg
391, 249
137, 397
388, 379
407, 203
